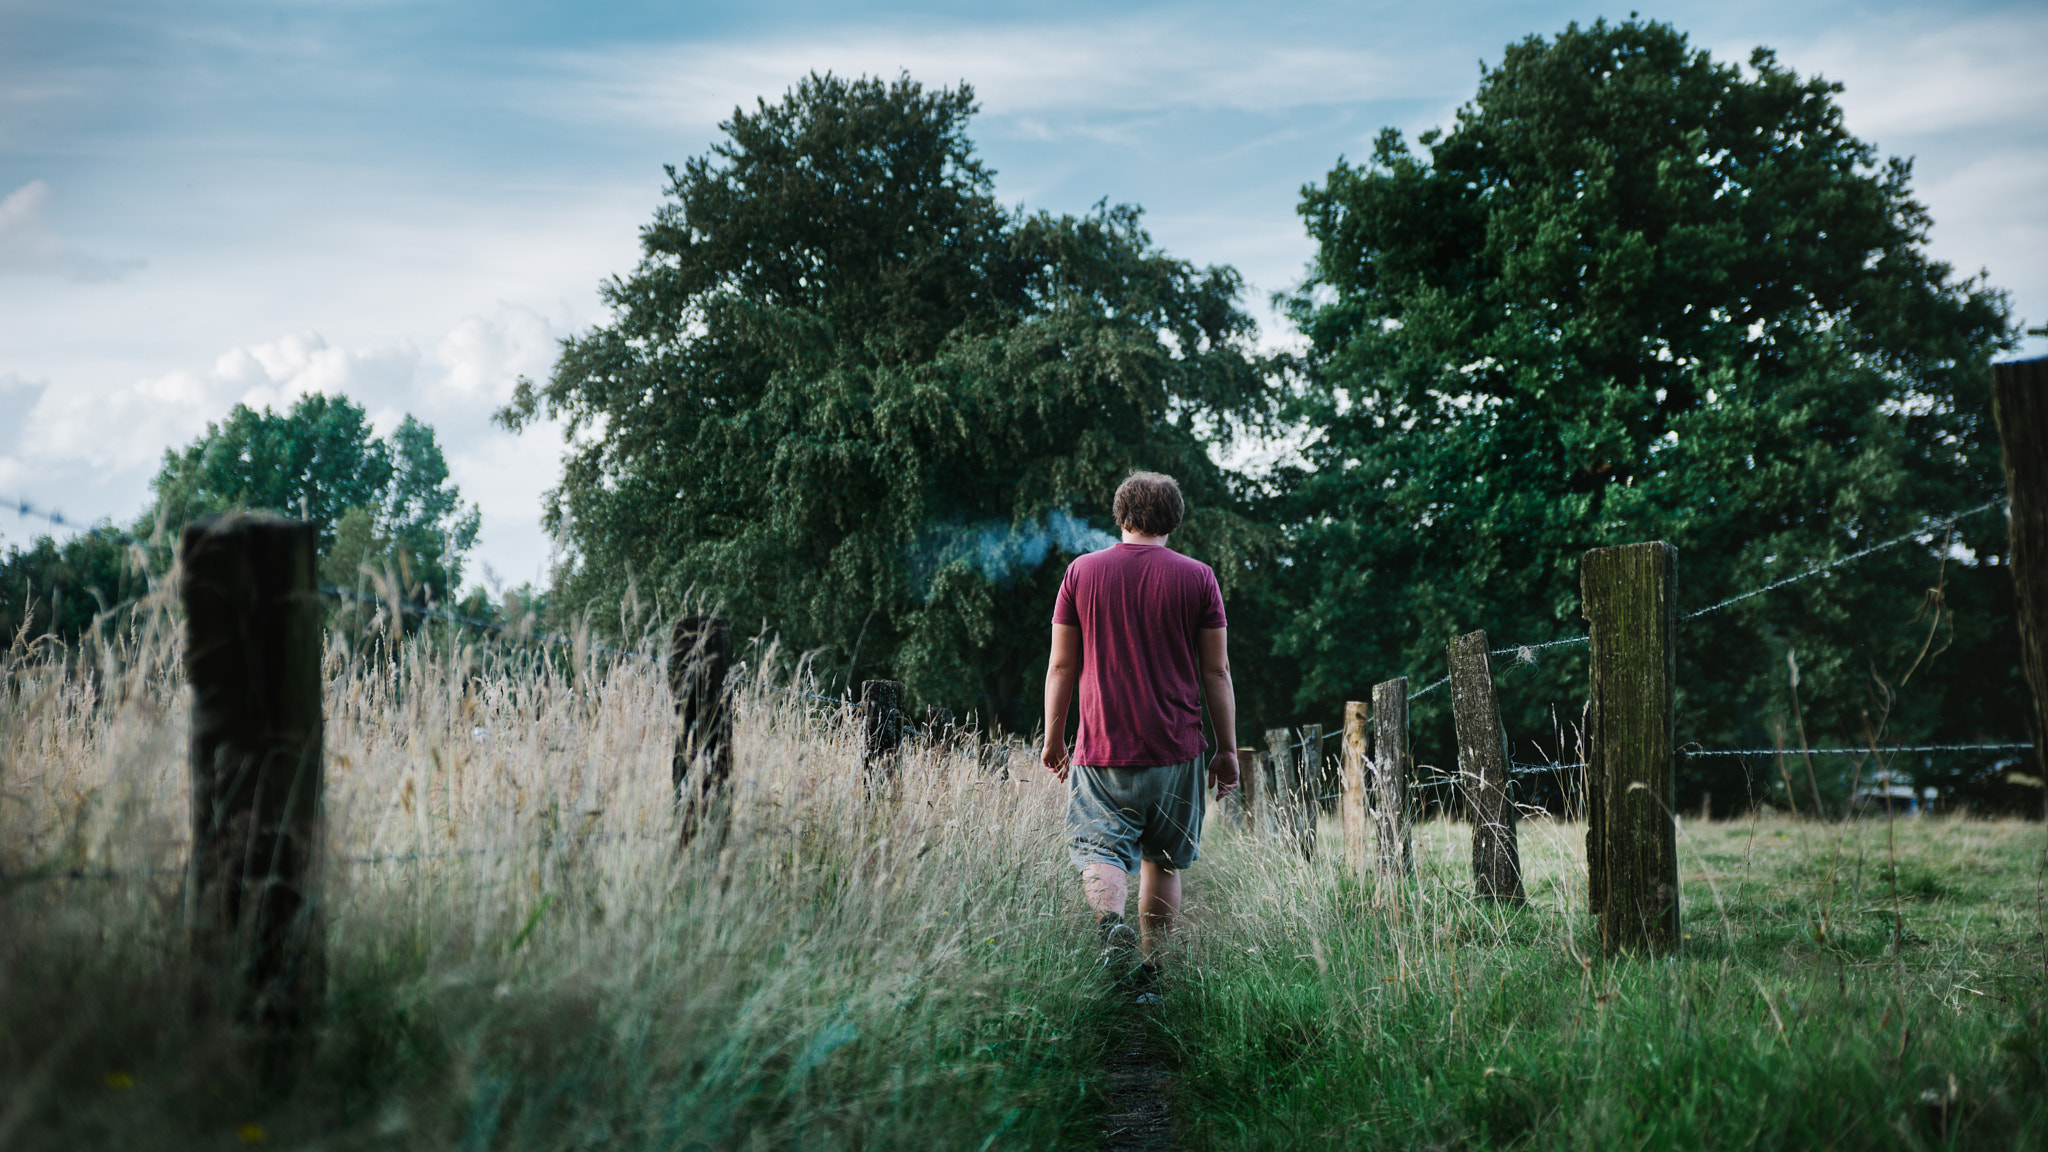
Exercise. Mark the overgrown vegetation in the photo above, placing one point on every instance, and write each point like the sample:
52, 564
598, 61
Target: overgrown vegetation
521, 958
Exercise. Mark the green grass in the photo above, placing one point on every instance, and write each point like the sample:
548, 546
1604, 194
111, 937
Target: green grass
1815, 1004
519, 958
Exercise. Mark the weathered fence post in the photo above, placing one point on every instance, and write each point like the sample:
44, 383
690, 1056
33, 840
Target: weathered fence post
1630, 596
1393, 810
1294, 802
2020, 391
699, 665
881, 707
1352, 801
1264, 822
1243, 808
252, 655
1483, 769
1318, 774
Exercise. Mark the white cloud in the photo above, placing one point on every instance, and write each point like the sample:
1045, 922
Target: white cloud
1919, 73
1132, 66
29, 242
97, 447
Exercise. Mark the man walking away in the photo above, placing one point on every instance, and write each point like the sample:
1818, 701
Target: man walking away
1141, 629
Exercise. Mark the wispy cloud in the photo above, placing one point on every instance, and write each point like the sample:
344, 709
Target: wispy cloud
1031, 72
30, 243
1918, 73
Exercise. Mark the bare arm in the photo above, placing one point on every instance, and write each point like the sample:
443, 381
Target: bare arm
1220, 694
1062, 670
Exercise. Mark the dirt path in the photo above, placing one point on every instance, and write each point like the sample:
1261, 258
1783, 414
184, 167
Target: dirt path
1137, 1083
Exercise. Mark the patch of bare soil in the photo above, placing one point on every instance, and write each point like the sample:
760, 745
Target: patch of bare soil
1137, 1084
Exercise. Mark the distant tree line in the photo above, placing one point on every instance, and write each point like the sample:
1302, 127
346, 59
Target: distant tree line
1631, 293
391, 522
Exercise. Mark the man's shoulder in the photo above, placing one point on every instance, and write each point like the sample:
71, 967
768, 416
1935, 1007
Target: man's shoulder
1116, 559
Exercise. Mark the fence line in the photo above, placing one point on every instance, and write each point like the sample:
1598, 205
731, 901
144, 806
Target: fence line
1525, 653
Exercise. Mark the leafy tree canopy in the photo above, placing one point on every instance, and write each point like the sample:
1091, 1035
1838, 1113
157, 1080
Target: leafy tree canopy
1636, 293
849, 396
58, 589
381, 502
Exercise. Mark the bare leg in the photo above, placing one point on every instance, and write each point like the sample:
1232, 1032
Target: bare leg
1158, 904
1106, 887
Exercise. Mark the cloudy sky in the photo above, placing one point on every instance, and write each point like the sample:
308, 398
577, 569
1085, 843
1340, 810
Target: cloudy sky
410, 203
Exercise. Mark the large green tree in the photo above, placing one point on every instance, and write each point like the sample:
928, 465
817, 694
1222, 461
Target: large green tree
1637, 293
847, 395
384, 502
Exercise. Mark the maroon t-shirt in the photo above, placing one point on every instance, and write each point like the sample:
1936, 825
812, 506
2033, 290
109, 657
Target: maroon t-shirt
1138, 607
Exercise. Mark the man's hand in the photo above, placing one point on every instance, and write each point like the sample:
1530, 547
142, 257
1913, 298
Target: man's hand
1054, 757
1223, 772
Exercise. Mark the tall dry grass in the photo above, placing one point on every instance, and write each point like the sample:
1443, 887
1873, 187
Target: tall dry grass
520, 955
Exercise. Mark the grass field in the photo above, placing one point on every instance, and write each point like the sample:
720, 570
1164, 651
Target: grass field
520, 958
1870, 985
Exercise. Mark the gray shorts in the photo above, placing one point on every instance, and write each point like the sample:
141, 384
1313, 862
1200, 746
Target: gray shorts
1115, 814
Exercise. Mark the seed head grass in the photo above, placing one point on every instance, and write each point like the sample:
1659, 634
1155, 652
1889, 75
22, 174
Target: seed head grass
520, 953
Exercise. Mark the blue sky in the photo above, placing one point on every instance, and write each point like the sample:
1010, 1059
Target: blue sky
217, 202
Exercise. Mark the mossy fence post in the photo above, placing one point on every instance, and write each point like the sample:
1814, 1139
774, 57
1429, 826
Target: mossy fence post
1393, 808
1629, 601
881, 709
1483, 769
1353, 803
252, 656
2020, 391
699, 674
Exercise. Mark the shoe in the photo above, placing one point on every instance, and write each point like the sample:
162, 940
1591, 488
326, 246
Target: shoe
1119, 944
1145, 982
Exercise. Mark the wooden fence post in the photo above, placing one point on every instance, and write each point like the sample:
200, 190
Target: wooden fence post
1309, 770
252, 655
1264, 823
881, 706
1352, 800
1293, 801
1243, 808
1630, 596
2020, 391
699, 665
1393, 810
1318, 773
1483, 769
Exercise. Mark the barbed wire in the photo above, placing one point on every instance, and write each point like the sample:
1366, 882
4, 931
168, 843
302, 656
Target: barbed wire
1947, 523
1914, 749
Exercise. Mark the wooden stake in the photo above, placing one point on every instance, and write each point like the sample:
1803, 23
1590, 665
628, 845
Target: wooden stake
881, 704
1318, 773
699, 666
1353, 801
1393, 809
252, 655
1244, 802
2020, 392
1483, 770
1293, 807
1264, 824
1630, 595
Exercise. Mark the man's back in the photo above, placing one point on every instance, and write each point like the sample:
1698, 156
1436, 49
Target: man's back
1139, 608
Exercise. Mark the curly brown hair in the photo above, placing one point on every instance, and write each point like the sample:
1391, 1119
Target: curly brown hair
1150, 503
